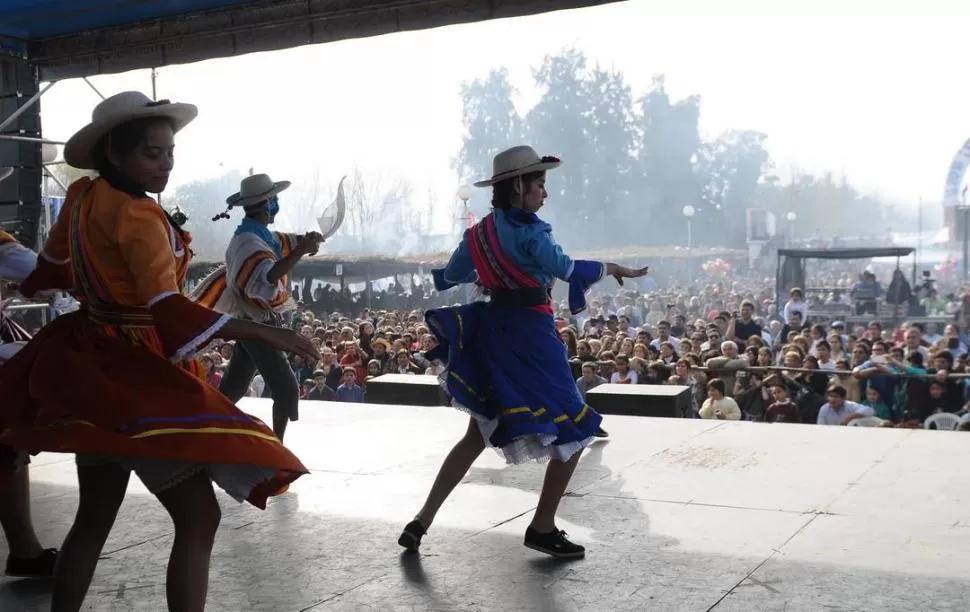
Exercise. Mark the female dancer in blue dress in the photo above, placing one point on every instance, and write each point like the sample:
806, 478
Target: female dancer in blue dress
506, 365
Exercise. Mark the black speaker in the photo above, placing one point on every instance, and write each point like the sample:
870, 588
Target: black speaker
17, 77
22, 186
669, 401
20, 194
405, 390
28, 123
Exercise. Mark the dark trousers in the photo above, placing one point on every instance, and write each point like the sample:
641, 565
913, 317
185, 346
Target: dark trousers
249, 356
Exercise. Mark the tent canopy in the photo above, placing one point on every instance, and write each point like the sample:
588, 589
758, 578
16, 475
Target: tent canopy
791, 262
847, 253
75, 38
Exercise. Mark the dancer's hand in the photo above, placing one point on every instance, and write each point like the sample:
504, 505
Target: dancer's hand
620, 272
310, 243
289, 341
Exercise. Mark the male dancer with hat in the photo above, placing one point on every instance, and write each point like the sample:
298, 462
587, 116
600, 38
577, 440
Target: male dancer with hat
253, 285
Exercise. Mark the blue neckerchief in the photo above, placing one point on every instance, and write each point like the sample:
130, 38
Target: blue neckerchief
252, 226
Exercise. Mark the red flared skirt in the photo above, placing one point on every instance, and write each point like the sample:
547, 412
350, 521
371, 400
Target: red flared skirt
77, 388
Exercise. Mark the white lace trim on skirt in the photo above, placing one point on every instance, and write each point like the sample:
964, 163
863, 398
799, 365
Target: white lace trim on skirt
539, 448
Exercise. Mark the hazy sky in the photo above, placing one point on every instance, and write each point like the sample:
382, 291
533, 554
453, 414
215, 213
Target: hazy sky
879, 91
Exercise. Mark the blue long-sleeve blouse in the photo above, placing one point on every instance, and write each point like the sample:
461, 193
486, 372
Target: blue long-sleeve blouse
528, 242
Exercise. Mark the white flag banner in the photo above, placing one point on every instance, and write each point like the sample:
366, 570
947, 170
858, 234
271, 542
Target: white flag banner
333, 217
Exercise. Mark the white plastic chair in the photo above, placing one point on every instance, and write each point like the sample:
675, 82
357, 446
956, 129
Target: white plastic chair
869, 421
946, 421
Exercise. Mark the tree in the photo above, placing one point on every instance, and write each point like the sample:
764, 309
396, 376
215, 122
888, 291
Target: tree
491, 122
400, 222
363, 207
559, 124
491, 125
728, 171
201, 201
629, 169
669, 146
611, 141
426, 215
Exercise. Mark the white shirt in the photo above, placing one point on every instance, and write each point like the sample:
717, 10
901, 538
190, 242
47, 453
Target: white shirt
728, 407
631, 376
828, 415
828, 366
674, 341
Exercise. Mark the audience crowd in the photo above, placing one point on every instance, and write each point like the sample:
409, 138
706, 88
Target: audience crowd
741, 353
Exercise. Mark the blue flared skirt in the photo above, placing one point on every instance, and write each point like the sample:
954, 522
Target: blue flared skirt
508, 369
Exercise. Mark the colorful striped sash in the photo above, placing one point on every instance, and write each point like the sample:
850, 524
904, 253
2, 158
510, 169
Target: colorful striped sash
115, 314
497, 271
87, 282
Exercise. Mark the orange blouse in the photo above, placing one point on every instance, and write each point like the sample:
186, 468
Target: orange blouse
111, 248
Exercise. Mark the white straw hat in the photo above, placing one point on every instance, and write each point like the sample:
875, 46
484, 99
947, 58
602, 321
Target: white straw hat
117, 110
255, 189
516, 162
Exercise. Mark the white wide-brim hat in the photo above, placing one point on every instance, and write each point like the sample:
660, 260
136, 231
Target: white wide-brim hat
255, 189
117, 110
5, 171
516, 162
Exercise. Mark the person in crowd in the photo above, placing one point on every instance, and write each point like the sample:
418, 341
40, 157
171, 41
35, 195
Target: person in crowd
129, 395
589, 380
838, 410
349, 390
320, 392
879, 408
718, 405
796, 303
253, 286
865, 293
624, 375
782, 410
507, 366
742, 325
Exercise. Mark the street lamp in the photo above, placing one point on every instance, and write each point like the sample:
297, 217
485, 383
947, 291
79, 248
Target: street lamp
689, 212
464, 194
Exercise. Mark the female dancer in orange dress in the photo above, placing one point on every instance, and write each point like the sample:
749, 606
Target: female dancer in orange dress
114, 382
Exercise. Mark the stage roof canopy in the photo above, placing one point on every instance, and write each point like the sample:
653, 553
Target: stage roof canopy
74, 38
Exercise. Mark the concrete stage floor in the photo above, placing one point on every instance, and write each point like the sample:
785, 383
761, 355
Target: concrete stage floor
675, 514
